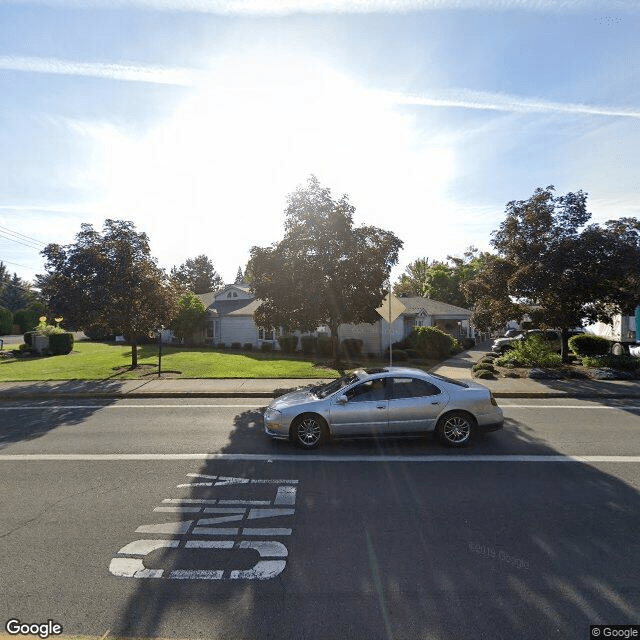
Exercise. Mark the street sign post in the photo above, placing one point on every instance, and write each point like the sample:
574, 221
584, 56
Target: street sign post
390, 310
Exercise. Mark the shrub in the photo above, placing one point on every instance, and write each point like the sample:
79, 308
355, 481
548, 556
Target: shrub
308, 345
532, 352
236, 345
266, 346
27, 319
585, 344
352, 347
398, 354
221, 345
483, 374
483, 366
61, 343
324, 346
6, 321
247, 346
99, 333
431, 342
624, 363
288, 343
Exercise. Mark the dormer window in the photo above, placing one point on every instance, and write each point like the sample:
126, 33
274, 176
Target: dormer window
232, 294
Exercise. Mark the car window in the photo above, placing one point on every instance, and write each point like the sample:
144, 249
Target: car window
368, 391
412, 388
458, 383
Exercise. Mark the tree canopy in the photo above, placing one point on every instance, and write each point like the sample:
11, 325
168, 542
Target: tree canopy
15, 293
440, 280
324, 271
108, 279
196, 275
190, 318
550, 263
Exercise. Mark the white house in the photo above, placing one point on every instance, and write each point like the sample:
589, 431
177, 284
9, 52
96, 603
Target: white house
230, 319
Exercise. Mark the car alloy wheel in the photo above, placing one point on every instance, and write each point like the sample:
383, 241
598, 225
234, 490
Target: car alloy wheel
308, 431
455, 429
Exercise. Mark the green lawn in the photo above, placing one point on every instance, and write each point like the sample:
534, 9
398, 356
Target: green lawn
99, 361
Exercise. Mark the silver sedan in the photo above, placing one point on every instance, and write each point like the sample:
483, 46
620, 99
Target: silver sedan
391, 401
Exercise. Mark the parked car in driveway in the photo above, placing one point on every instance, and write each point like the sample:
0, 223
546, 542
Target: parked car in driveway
551, 337
390, 401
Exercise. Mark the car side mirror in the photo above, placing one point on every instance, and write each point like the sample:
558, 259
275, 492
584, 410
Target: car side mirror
342, 400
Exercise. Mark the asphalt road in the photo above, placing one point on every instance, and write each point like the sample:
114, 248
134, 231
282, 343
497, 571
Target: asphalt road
509, 538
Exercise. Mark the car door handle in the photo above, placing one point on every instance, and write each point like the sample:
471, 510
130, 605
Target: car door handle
382, 407
435, 403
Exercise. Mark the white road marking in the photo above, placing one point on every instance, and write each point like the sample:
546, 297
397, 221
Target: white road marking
29, 407
633, 407
258, 457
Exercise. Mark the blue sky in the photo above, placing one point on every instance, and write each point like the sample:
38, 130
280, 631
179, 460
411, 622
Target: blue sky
196, 119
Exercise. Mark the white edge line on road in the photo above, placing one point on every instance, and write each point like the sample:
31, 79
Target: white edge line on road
256, 457
135, 406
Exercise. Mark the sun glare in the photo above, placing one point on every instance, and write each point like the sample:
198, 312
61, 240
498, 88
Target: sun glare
217, 172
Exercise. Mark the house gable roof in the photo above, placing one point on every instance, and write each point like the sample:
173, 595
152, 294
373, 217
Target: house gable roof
217, 303
434, 308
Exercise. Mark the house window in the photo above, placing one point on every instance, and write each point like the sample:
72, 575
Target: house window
232, 294
268, 335
417, 322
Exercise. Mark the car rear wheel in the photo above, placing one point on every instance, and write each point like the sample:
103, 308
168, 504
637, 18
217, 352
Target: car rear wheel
309, 431
455, 429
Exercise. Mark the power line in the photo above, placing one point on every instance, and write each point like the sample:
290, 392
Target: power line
22, 235
24, 244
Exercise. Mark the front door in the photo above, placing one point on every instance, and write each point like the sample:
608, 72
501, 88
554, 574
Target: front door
364, 412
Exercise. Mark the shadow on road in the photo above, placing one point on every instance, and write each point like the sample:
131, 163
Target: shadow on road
22, 418
394, 549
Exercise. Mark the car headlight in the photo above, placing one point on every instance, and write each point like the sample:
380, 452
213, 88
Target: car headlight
272, 415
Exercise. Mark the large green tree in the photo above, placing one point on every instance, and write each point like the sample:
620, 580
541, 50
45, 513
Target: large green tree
324, 271
108, 279
440, 280
15, 293
190, 318
196, 275
548, 259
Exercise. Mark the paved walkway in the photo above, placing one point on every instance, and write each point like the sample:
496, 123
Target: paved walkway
457, 367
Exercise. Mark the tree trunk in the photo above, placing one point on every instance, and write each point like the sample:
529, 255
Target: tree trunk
134, 353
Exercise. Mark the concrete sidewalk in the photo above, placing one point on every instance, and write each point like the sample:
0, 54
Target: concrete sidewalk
458, 367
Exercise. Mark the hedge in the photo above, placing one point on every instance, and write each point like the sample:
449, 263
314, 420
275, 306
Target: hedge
61, 344
587, 345
288, 343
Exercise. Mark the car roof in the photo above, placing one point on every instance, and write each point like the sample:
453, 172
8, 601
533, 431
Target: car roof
363, 374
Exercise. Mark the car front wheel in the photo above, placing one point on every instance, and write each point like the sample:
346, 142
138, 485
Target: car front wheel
308, 431
455, 429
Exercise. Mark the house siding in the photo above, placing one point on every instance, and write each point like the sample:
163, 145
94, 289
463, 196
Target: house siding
240, 329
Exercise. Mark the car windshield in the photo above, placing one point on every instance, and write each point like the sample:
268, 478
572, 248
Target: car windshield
325, 390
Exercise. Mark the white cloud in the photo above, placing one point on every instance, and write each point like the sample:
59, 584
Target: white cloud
130, 73
484, 100
186, 77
